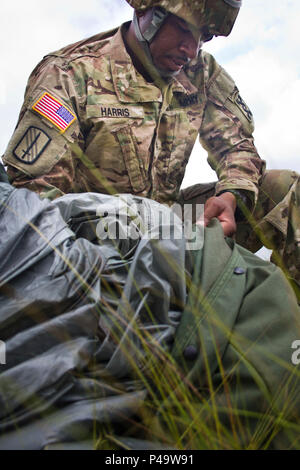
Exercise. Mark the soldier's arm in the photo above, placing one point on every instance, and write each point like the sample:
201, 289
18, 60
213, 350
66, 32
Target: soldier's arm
39, 155
226, 134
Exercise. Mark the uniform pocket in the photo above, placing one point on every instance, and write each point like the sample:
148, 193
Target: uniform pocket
133, 164
183, 139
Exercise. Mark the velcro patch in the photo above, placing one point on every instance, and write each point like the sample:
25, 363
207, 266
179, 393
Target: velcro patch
187, 100
31, 146
238, 100
54, 111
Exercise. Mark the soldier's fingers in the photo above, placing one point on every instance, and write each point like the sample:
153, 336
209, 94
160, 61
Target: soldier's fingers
229, 227
213, 208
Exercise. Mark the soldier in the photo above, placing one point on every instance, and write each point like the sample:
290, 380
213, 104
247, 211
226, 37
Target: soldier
120, 112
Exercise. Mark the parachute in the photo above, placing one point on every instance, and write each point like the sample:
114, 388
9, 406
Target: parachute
133, 340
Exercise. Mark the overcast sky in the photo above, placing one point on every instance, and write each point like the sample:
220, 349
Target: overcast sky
262, 55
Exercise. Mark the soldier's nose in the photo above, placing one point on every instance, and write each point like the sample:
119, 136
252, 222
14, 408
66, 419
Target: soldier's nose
189, 47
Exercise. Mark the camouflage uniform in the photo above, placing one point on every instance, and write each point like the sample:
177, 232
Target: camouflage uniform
136, 136
111, 131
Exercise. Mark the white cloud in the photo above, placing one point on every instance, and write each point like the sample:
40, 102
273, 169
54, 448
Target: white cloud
2, 93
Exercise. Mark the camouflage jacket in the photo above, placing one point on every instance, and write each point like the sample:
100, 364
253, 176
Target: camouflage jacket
91, 122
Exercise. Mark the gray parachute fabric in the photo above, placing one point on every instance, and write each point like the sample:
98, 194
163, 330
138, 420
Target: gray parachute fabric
99, 328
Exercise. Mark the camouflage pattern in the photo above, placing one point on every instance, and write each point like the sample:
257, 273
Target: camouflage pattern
275, 222
130, 136
217, 16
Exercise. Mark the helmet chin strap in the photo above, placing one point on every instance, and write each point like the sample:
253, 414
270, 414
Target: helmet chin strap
234, 3
159, 15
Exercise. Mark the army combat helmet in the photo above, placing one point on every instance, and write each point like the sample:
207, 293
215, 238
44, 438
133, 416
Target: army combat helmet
212, 17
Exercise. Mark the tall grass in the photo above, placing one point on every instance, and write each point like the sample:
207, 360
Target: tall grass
220, 406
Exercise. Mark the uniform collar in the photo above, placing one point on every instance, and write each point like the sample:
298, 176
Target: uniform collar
130, 85
182, 84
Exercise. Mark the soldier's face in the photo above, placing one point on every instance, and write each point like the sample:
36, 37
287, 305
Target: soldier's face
174, 45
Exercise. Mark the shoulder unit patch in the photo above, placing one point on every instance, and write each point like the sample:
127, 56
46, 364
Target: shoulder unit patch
31, 146
54, 111
238, 100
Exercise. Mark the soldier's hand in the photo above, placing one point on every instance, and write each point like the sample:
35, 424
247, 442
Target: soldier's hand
223, 208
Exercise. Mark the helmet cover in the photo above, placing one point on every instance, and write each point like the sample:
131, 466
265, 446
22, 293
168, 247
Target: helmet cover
216, 16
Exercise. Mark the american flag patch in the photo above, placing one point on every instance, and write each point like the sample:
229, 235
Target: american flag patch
54, 111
